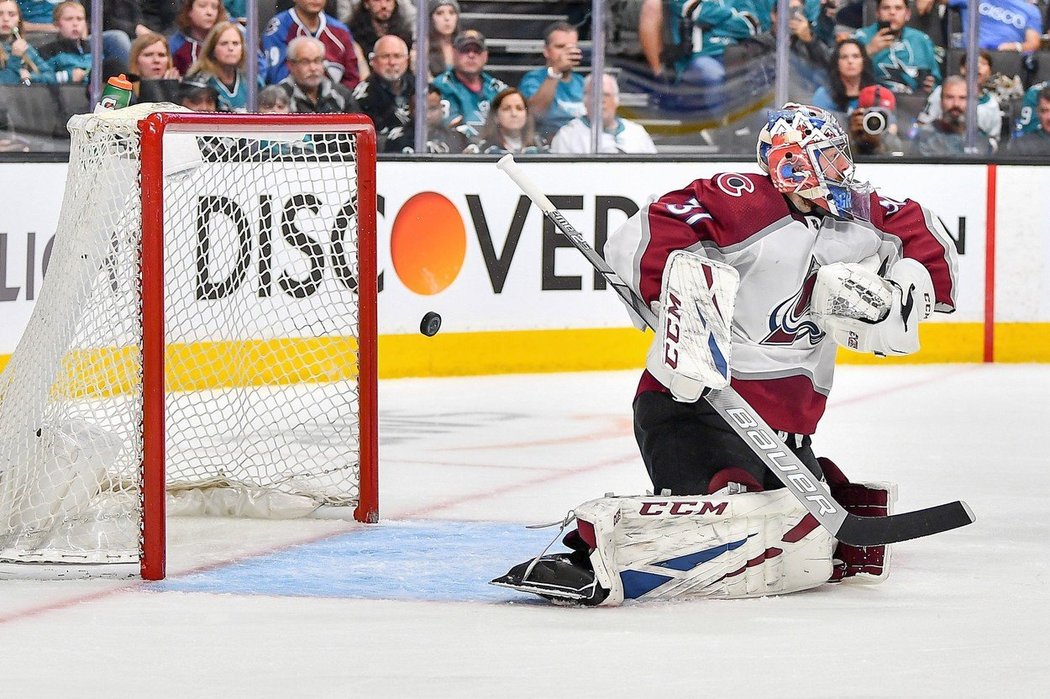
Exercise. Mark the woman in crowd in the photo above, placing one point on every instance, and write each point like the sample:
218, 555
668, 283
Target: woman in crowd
221, 65
509, 127
195, 20
150, 61
444, 25
19, 61
849, 71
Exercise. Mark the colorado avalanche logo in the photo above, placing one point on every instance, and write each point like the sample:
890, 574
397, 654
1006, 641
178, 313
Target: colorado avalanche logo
789, 321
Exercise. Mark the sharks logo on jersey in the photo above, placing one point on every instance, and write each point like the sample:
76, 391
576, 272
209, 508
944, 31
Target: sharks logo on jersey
790, 322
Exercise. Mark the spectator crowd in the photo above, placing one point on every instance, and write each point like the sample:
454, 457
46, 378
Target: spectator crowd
890, 70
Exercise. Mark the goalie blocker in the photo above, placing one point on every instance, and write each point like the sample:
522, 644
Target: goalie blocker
728, 545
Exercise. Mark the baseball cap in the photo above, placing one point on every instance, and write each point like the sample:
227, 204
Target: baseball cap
876, 96
468, 38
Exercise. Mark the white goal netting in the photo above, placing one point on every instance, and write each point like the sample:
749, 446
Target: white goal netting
261, 339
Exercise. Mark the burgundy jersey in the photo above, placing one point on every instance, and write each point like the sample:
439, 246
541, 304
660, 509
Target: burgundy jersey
782, 364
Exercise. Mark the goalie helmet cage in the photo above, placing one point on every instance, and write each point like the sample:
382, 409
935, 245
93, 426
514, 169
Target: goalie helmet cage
207, 326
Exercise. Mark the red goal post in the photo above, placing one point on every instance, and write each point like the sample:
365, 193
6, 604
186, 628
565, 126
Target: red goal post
236, 365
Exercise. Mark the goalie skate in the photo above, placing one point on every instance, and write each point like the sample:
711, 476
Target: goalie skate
555, 577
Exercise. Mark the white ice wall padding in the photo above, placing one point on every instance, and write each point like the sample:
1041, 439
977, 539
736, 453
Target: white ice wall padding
261, 312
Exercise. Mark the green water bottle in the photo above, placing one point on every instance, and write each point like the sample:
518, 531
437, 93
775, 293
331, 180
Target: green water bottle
116, 95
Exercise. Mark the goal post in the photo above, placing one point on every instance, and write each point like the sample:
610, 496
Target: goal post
204, 342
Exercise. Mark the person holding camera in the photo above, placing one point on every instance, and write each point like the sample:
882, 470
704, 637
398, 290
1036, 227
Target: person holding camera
555, 92
903, 57
873, 124
947, 135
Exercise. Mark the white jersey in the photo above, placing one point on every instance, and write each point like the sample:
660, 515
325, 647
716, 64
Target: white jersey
782, 364
625, 137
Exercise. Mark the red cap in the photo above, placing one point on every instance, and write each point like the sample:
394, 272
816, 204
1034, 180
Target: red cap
876, 96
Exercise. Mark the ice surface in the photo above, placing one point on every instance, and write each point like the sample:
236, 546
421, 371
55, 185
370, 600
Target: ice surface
328, 608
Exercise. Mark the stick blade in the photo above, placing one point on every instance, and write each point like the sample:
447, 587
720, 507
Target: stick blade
873, 531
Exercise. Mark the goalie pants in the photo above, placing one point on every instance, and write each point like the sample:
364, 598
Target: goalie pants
684, 444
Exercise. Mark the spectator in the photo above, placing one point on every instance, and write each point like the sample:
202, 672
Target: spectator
1036, 142
618, 135
307, 19
444, 25
555, 92
237, 10
466, 87
221, 65
372, 19
68, 57
19, 61
716, 24
947, 135
195, 20
274, 100
198, 95
989, 113
37, 16
1027, 123
809, 53
509, 127
903, 57
386, 94
155, 77
308, 87
1006, 25
873, 124
849, 72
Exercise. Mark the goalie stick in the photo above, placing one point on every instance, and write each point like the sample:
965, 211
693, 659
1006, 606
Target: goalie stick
760, 437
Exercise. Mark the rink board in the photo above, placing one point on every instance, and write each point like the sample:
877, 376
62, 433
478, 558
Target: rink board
458, 238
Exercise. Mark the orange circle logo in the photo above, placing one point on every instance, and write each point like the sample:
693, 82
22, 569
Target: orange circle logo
428, 243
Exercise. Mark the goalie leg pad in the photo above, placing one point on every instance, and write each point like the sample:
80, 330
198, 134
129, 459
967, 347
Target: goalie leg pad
860, 564
724, 547
692, 347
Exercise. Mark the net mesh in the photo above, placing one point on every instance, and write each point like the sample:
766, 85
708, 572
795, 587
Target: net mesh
261, 346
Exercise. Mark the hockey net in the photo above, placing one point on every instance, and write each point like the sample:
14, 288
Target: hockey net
204, 342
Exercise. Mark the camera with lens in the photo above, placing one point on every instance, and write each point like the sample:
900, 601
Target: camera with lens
875, 120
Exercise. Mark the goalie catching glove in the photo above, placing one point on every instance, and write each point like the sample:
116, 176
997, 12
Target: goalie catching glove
864, 312
692, 348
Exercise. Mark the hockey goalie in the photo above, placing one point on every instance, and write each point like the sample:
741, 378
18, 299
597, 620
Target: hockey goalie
756, 280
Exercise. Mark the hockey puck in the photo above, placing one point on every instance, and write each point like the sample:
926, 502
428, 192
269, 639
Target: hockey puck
430, 324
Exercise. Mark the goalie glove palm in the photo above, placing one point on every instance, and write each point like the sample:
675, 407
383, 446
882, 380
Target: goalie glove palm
863, 312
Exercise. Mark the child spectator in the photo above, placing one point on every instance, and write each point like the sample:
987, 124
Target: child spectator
342, 61
442, 136
68, 57
849, 72
904, 58
195, 20
444, 25
1005, 25
19, 61
466, 88
509, 127
555, 92
371, 19
617, 136
150, 62
221, 65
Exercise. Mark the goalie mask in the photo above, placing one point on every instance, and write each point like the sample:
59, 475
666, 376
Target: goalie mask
805, 152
